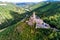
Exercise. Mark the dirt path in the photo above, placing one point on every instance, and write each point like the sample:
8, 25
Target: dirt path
2, 30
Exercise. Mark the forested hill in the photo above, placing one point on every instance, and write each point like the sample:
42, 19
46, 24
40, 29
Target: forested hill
48, 11
9, 14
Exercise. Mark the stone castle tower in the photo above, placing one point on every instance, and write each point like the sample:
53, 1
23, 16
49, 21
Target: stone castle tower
39, 22
34, 16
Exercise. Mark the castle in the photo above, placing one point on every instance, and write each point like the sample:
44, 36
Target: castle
39, 22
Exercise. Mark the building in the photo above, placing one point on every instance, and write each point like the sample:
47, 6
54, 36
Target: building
39, 22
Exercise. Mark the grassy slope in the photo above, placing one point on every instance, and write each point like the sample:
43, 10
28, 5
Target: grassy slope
9, 14
22, 31
5, 15
13, 7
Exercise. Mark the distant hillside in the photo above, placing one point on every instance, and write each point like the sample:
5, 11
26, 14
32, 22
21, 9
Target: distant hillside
11, 6
9, 14
25, 4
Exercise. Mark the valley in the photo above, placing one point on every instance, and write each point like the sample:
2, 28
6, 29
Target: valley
14, 19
